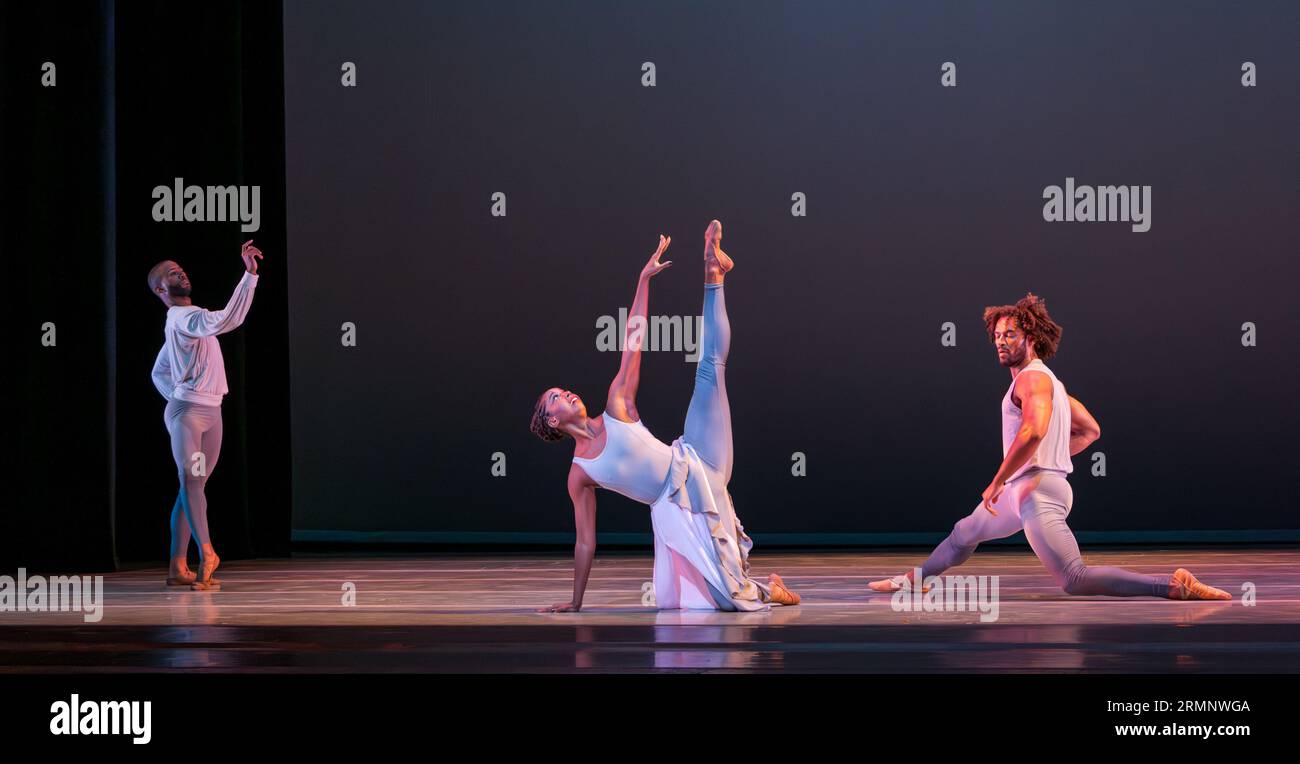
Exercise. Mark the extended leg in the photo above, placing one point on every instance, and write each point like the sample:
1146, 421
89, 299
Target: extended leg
708, 418
968, 533
1044, 512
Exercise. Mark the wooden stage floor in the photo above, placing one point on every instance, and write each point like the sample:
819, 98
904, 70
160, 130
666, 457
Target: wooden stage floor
475, 613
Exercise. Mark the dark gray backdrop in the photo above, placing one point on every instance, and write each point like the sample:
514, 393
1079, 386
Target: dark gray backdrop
924, 205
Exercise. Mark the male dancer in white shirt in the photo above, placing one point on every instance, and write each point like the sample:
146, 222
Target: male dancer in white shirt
1042, 427
191, 374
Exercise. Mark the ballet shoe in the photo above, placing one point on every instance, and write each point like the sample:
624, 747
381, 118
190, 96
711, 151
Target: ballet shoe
886, 585
713, 254
780, 594
891, 585
1185, 586
204, 581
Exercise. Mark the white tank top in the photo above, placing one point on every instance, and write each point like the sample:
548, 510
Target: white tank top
1053, 451
633, 463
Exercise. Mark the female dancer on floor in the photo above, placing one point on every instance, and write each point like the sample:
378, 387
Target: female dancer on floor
701, 550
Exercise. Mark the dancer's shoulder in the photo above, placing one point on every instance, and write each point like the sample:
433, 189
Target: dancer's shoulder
1027, 382
579, 478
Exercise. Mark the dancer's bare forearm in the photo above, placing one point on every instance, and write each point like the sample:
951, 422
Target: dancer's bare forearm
583, 494
583, 554
1083, 428
622, 391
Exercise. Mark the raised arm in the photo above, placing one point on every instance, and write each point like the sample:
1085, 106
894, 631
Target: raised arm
583, 493
206, 323
1083, 428
622, 391
1034, 389
162, 374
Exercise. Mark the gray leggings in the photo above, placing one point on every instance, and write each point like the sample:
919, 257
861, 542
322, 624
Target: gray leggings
195, 432
708, 418
1039, 501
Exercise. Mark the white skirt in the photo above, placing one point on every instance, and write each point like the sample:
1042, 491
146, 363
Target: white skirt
701, 550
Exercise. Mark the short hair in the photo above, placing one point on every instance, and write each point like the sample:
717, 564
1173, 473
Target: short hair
539, 426
1030, 313
156, 275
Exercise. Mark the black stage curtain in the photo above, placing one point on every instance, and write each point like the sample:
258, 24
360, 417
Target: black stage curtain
58, 212
145, 92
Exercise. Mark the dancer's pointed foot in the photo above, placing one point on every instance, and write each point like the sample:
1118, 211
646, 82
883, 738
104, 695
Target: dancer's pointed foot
1184, 586
891, 585
780, 594
887, 585
716, 262
205, 580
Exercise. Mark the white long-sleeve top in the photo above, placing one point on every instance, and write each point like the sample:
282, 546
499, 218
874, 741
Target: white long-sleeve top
189, 365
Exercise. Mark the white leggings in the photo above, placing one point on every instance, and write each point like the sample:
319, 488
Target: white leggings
1039, 501
195, 432
708, 417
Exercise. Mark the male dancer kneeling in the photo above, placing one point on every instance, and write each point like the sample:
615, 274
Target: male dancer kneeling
191, 374
1042, 428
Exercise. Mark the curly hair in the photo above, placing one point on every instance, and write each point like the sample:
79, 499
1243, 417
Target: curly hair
1030, 313
539, 426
